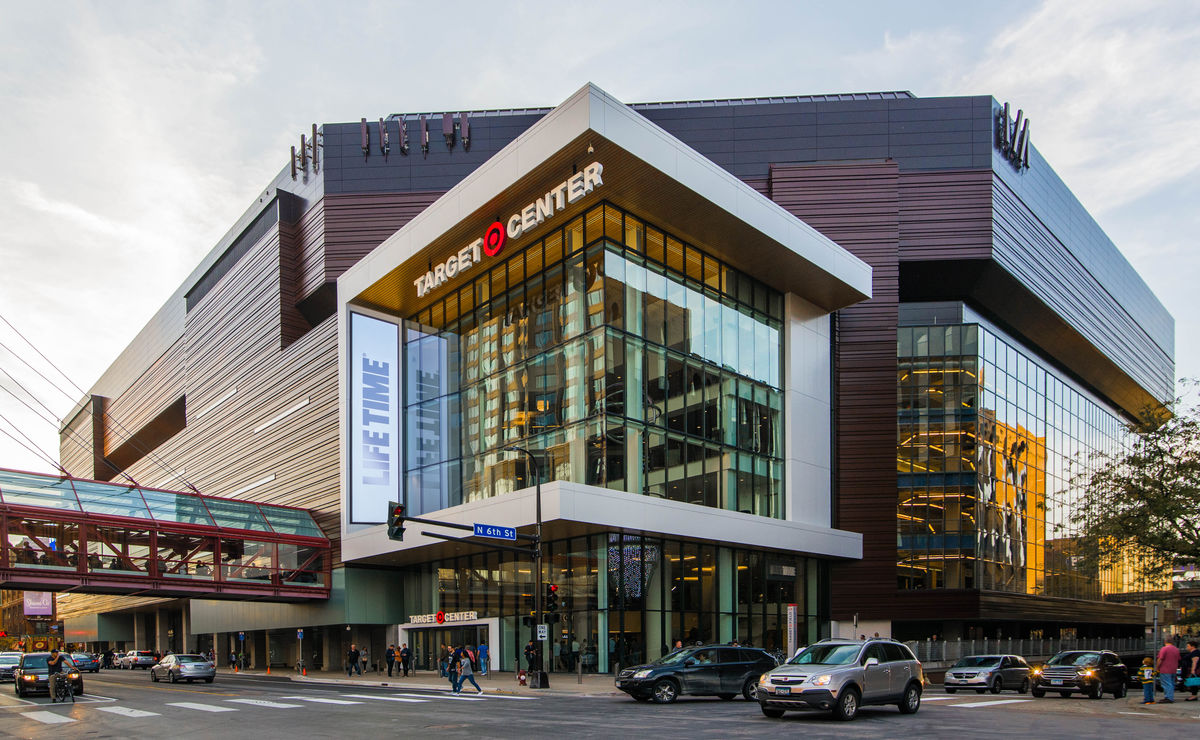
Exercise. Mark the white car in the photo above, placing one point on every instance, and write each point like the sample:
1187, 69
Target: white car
143, 659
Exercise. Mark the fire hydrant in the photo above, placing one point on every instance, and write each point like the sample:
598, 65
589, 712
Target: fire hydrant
521, 678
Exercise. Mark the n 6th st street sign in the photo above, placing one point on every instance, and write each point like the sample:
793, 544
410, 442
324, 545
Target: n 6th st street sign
495, 532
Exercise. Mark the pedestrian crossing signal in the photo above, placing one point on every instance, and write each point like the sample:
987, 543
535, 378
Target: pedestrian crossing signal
395, 523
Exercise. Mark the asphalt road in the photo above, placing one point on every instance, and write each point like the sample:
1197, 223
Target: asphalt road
120, 704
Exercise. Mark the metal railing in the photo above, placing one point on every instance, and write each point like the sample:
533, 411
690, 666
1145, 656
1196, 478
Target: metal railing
937, 651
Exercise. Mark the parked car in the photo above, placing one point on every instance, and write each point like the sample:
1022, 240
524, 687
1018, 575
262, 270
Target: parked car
143, 659
32, 675
1091, 672
8, 664
993, 673
188, 668
85, 662
843, 675
705, 670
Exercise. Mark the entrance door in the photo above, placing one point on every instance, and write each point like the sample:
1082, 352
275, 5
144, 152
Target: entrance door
426, 642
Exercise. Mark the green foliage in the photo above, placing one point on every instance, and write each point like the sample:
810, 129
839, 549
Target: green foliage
1140, 506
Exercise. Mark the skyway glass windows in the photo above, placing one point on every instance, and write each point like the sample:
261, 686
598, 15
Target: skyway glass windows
638, 363
37, 490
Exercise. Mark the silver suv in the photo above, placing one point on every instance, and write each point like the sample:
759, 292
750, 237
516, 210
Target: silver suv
843, 675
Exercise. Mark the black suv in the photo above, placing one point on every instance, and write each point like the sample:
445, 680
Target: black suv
706, 670
1091, 672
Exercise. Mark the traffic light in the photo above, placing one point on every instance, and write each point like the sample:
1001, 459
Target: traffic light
395, 522
551, 603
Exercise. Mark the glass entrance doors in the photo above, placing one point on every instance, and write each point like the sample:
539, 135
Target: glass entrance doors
426, 642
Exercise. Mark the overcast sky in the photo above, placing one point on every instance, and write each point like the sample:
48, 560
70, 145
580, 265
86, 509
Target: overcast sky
135, 133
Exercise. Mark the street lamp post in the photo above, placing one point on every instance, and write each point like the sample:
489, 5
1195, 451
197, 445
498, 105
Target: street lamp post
537, 553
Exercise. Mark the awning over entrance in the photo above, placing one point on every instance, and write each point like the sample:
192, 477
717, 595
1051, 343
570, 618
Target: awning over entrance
68, 534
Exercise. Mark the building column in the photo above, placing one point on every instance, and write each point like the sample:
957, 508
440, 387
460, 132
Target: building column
186, 641
162, 623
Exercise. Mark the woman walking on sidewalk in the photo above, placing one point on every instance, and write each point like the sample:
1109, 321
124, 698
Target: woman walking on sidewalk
466, 673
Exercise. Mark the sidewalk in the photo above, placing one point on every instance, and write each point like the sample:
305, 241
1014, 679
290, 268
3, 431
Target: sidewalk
495, 682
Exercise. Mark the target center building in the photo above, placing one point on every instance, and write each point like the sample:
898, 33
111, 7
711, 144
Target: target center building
655, 334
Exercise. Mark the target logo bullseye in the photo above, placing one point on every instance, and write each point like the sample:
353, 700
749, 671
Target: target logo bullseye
493, 239
441, 617
531, 216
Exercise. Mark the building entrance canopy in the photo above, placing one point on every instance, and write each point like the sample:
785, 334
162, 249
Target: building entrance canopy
90, 537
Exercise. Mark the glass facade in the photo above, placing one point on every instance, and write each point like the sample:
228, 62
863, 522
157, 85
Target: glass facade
988, 441
625, 598
619, 355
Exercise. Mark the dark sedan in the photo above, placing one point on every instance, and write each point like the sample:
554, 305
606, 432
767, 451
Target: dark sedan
8, 664
706, 670
33, 676
85, 662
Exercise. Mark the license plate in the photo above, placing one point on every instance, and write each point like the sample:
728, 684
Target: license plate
783, 690
1056, 682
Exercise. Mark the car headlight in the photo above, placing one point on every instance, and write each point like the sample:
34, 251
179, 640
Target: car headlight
73, 675
641, 674
29, 678
1088, 673
764, 680
822, 680
1036, 671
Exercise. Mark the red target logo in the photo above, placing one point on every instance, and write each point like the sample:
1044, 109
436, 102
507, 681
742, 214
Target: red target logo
493, 239
441, 617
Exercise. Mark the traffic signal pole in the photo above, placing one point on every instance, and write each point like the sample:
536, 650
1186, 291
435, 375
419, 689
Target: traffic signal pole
537, 562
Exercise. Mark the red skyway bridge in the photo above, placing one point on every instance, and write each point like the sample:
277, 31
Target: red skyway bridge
71, 535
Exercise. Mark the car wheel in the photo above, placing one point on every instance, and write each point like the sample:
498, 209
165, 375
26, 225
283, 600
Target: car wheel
665, 691
997, 685
772, 713
208, 680
911, 701
78, 691
1024, 687
1037, 693
951, 691
1096, 691
1120, 691
172, 677
847, 705
154, 676
725, 697
750, 690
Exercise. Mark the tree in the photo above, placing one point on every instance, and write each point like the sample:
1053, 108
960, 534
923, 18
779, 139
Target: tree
1139, 506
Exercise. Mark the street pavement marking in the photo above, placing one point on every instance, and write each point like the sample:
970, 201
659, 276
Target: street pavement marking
995, 703
47, 718
385, 698
938, 698
200, 707
265, 703
128, 712
321, 700
453, 697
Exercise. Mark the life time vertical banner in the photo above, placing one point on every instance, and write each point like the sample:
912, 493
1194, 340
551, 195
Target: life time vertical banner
376, 468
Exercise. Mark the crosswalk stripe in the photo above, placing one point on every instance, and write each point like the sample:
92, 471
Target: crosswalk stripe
47, 718
200, 707
128, 711
385, 698
321, 700
265, 703
452, 697
938, 698
995, 703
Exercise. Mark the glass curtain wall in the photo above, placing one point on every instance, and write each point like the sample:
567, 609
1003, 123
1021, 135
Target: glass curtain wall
988, 440
624, 599
619, 354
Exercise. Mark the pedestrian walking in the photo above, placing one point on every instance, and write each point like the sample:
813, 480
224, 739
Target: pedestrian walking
1167, 665
405, 658
390, 657
452, 670
443, 661
352, 658
484, 657
1191, 669
466, 673
362, 656
1146, 672
233, 659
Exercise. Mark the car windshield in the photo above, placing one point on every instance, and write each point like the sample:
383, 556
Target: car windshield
1074, 659
9, 659
679, 656
80, 656
190, 659
977, 661
827, 655
34, 662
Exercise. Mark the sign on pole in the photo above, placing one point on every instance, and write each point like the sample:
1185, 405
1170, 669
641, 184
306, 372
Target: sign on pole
495, 532
299, 634
791, 631
241, 636
543, 632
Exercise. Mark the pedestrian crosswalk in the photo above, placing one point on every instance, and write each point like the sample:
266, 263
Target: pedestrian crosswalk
292, 701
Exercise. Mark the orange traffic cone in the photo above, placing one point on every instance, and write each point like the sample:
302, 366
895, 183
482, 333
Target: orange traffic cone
304, 671
268, 669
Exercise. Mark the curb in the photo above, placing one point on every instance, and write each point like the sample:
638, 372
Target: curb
438, 687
